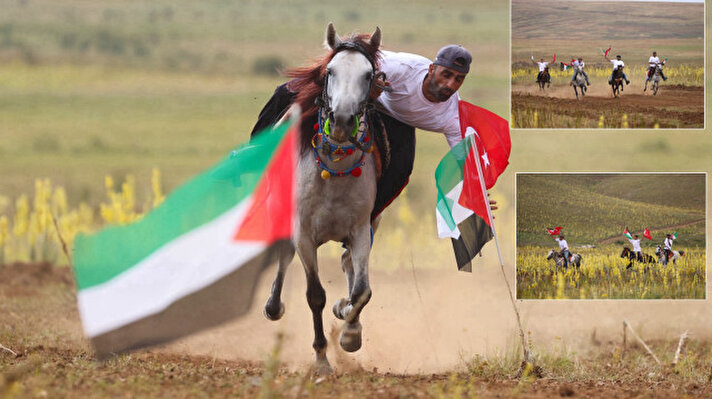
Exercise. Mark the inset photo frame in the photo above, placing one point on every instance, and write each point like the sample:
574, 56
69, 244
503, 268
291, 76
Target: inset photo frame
611, 235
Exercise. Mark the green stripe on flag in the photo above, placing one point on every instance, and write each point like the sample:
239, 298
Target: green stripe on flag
448, 174
99, 257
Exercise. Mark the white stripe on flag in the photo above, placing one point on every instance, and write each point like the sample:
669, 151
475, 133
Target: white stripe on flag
458, 212
178, 268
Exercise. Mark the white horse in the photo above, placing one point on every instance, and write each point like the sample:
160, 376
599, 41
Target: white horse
579, 82
664, 258
337, 188
574, 258
655, 79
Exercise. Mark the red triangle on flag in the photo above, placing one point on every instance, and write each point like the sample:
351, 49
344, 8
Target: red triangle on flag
270, 217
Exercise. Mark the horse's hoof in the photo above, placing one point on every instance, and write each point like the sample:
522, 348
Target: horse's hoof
350, 340
323, 368
340, 308
273, 314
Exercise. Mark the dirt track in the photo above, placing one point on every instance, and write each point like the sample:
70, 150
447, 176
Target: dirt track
672, 107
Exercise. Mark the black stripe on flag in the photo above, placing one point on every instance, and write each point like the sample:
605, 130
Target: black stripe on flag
474, 234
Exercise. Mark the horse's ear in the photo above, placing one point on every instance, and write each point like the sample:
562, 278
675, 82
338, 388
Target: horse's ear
376, 38
332, 39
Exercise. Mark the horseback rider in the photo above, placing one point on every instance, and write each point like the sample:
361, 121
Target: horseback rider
543, 66
635, 241
418, 93
578, 68
564, 246
653, 63
617, 63
667, 245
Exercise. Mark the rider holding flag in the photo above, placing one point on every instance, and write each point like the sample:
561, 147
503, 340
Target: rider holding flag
653, 62
617, 63
542, 67
578, 68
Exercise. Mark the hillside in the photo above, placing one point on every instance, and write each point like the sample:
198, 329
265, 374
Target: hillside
579, 20
592, 208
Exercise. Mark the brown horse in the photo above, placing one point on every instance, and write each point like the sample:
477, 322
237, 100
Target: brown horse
617, 82
632, 256
543, 78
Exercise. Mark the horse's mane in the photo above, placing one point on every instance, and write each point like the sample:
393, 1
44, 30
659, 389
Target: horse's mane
308, 83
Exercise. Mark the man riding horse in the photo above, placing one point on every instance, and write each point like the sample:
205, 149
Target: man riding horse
564, 246
543, 70
617, 64
578, 68
653, 63
415, 93
667, 245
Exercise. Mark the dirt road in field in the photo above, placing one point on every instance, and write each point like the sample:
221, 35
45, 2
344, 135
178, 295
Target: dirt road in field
672, 107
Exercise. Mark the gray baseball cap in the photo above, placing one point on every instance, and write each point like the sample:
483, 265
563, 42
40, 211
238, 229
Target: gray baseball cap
454, 56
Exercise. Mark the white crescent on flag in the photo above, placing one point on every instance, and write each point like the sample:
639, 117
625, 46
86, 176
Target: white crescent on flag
471, 131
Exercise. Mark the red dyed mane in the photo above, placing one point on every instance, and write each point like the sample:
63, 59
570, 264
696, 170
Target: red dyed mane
308, 82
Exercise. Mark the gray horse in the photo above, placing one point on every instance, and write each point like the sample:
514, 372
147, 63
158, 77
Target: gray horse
574, 259
655, 80
337, 188
664, 257
580, 83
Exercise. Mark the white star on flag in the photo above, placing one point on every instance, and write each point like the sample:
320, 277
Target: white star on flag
471, 131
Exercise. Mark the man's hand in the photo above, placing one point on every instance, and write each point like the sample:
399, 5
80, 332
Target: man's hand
378, 86
493, 205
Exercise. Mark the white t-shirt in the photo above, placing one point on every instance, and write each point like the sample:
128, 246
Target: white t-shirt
579, 65
616, 64
636, 244
542, 66
653, 61
668, 243
406, 101
562, 243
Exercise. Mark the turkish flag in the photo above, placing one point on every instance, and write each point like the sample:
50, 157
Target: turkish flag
646, 234
553, 232
491, 135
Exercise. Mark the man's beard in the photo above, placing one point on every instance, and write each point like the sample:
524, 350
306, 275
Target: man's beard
439, 92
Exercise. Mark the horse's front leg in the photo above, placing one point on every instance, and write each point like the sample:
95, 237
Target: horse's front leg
316, 297
343, 306
360, 246
274, 308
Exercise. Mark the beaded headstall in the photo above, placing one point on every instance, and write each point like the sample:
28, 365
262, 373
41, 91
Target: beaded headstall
337, 152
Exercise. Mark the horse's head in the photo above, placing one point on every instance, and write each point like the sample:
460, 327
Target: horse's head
657, 250
349, 76
625, 252
551, 254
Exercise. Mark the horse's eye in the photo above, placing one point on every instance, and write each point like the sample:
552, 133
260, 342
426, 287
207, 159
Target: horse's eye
368, 77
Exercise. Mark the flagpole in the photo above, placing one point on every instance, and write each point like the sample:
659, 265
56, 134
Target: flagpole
496, 241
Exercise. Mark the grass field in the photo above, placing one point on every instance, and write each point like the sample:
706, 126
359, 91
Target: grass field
604, 275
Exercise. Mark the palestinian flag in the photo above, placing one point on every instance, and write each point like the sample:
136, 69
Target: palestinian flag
193, 262
553, 231
674, 235
462, 208
646, 234
627, 234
